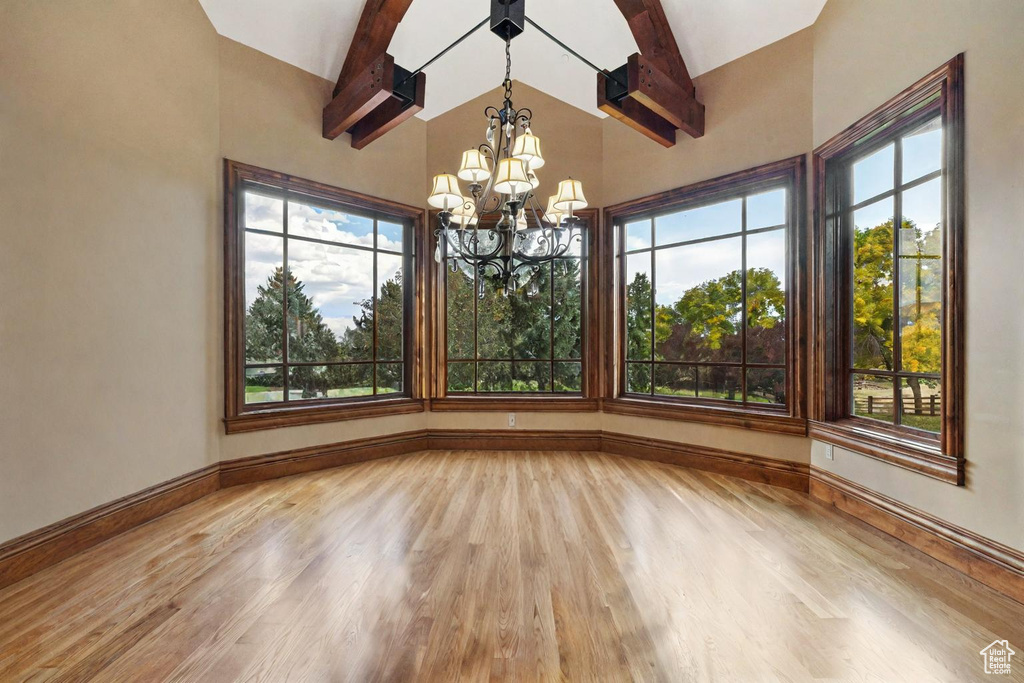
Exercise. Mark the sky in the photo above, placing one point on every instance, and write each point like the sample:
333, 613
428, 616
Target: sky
681, 268
336, 277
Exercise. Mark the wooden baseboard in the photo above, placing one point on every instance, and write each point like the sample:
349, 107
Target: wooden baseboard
287, 463
514, 440
25, 555
783, 473
993, 564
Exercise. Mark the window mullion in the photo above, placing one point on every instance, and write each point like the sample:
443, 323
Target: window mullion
374, 299
284, 303
897, 285
743, 302
551, 327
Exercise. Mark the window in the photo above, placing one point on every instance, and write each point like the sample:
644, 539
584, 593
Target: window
707, 282
321, 283
531, 344
891, 207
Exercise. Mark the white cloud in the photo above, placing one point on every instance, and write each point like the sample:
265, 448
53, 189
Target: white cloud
264, 213
326, 224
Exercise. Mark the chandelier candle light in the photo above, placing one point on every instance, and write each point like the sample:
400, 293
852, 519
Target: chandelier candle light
499, 228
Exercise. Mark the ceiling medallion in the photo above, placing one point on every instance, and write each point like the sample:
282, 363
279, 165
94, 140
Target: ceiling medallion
499, 228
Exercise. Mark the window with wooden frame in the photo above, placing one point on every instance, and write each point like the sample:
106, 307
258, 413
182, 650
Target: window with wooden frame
709, 301
529, 348
889, 369
321, 308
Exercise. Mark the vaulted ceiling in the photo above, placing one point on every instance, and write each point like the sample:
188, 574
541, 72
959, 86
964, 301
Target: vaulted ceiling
315, 35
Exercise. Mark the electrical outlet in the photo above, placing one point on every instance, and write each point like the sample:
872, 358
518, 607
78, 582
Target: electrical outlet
828, 452
511, 420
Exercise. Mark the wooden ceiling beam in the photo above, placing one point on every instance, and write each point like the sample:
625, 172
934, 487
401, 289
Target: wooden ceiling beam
654, 37
635, 115
376, 28
388, 115
660, 93
373, 95
364, 92
654, 88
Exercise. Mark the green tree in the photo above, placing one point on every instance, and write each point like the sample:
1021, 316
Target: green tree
356, 342
872, 297
920, 300
638, 331
309, 338
705, 324
460, 326
514, 333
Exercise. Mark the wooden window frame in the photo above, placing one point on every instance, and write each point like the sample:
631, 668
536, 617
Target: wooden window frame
586, 401
788, 420
939, 93
239, 417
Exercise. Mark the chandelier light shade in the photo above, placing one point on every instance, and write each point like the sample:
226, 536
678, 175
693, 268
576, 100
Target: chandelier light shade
527, 148
463, 213
511, 178
445, 194
570, 196
475, 167
555, 215
498, 228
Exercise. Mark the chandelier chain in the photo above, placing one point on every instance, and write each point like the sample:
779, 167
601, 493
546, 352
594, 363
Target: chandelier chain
508, 69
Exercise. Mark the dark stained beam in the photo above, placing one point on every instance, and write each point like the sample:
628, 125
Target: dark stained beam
366, 101
373, 35
654, 37
364, 92
660, 93
656, 92
393, 111
635, 115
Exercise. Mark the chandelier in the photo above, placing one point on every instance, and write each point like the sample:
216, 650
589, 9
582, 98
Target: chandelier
499, 228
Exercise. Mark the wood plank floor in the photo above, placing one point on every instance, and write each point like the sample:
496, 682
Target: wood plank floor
471, 566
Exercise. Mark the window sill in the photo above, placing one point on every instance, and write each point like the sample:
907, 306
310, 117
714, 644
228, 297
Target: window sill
918, 455
504, 402
274, 418
746, 418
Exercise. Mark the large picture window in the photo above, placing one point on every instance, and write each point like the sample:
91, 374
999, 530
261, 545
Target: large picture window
706, 280
324, 296
891, 207
531, 343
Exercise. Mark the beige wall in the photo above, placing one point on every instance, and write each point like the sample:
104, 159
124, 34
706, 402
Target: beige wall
108, 244
857, 67
758, 110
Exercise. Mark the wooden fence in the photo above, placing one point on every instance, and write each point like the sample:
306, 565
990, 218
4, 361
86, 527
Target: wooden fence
883, 405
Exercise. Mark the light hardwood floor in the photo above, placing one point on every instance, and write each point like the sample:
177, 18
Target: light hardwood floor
504, 566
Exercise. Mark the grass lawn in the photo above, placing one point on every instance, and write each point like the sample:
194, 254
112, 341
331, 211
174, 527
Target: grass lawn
260, 394
880, 393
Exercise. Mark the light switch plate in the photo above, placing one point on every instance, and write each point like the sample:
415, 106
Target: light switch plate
511, 420
829, 455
